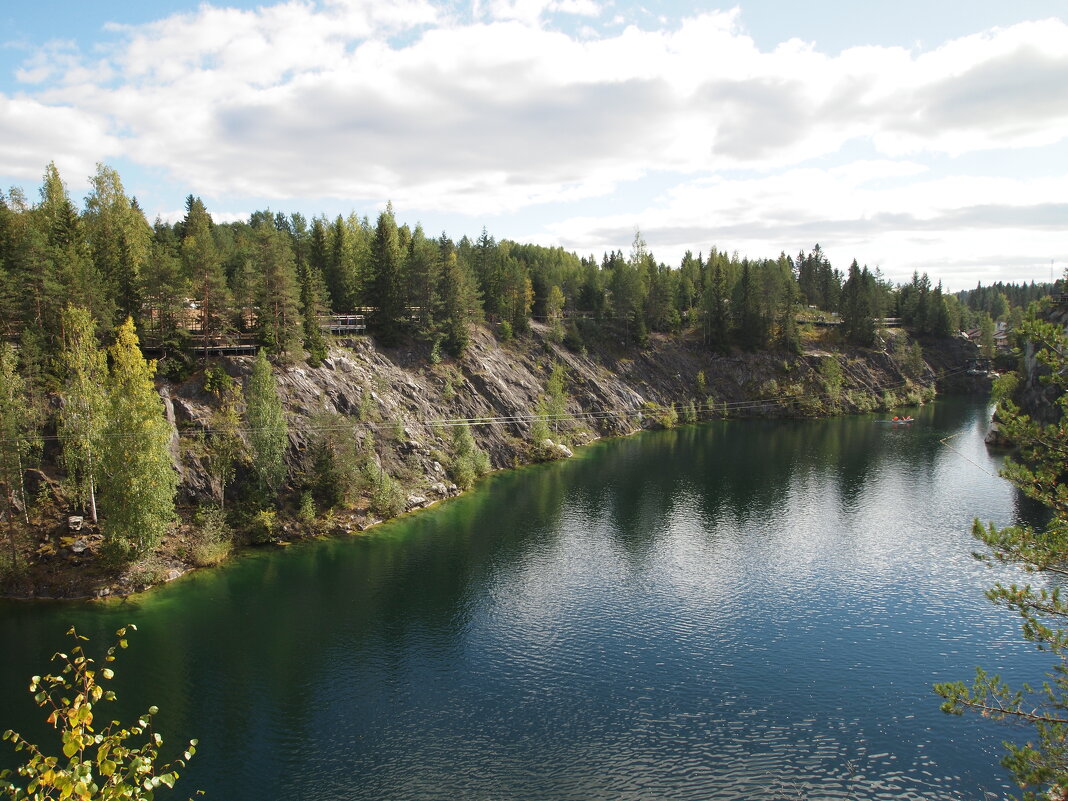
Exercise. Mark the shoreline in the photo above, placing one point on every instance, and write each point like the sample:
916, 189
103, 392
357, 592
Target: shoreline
609, 396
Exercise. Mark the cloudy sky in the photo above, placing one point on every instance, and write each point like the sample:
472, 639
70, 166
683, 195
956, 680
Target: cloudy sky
908, 134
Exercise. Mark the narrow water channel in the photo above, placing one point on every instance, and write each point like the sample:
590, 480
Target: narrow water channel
739, 610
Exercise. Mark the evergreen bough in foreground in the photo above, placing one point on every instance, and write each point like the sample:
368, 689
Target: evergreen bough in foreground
1040, 472
114, 762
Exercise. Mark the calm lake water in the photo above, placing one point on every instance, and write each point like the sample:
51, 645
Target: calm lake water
740, 610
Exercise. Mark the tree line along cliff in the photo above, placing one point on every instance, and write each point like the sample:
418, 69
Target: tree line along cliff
477, 355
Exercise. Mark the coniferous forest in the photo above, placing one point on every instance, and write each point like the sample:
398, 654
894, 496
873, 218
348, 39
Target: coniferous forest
272, 280
97, 303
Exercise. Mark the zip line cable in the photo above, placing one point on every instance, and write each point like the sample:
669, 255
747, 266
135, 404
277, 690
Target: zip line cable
945, 441
518, 419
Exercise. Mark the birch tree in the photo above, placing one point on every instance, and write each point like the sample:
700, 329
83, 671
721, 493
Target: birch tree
84, 404
138, 480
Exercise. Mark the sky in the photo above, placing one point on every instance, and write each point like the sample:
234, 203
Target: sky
929, 136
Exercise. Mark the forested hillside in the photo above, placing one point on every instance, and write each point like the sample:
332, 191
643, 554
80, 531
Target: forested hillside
595, 345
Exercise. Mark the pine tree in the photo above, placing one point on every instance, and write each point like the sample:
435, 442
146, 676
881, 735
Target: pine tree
716, 305
749, 324
268, 433
53, 268
516, 294
1040, 472
139, 481
485, 264
205, 272
166, 288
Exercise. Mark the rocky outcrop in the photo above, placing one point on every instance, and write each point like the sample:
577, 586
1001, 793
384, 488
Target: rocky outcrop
402, 410
406, 407
1035, 397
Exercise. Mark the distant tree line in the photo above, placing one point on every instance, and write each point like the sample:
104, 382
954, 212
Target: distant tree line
271, 280
84, 292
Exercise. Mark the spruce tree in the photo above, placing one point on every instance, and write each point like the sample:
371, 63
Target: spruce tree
460, 301
857, 307
139, 482
278, 294
390, 317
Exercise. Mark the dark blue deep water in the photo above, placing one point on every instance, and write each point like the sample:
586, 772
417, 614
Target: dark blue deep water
740, 610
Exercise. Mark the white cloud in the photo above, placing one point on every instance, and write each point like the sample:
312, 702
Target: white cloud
929, 224
362, 100
33, 134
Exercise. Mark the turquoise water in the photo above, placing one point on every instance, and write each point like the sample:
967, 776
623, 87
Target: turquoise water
744, 609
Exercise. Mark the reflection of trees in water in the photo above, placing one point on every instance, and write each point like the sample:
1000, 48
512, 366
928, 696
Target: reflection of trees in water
746, 469
248, 652
1029, 512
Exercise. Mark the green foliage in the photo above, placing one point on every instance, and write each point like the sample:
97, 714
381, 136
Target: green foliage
504, 331
267, 427
831, 377
334, 472
1004, 387
217, 381
138, 497
435, 352
387, 496
278, 294
859, 306
1040, 766
662, 416
212, 537
263, 526
387, 287
861, 401
468, 462
306, 511
909, 357
224, 447
18, 440
366, 407
84, 404
573, 339
98, 763
701, 384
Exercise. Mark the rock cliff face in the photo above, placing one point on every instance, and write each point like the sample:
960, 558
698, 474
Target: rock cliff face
1034, 397
399, 412
405, 407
